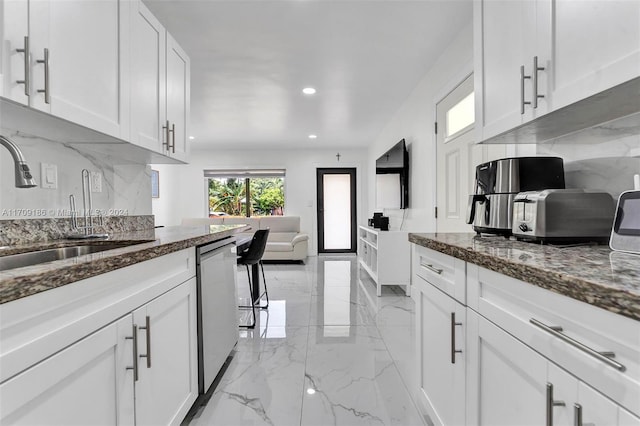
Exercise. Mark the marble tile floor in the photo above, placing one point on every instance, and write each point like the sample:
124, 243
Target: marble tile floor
326, 352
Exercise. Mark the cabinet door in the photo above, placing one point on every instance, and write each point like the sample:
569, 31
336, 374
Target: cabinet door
148, 91
167, 347
625, 418
14, 15
595, 45
87, 65
507, 33
178, 98
506, 384
86, 384
442, 381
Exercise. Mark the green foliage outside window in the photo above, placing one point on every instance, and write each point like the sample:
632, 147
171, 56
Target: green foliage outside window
228, 196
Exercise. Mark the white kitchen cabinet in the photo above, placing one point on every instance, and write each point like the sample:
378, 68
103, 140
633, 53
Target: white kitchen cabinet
178, 99
148, 74
580, 48
441, 354
160, 95
506, 379
590, 46
88, 383
78, 65
15, 64
386, 257
167, 348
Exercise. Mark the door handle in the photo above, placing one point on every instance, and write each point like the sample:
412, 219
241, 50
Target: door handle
536, 68
550, 404
147, 329
523, 77
27, 67
135, 352
46, 90
454, 351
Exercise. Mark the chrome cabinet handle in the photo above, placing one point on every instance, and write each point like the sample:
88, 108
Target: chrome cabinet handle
147, 328
431, 268
27, 67
577, 414
602, 356
454, 351
166, 130
551, 403
536, 68
523, 77
45, 61
135, 353
173, 138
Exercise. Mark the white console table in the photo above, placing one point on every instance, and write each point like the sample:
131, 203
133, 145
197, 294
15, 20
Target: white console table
386, 257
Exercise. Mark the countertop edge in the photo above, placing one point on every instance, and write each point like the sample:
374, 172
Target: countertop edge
618, 301
23, 285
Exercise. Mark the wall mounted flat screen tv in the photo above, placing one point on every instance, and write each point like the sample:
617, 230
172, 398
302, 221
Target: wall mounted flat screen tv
392, 178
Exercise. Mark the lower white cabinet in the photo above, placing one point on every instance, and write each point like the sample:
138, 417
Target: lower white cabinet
88, 383
118, 348
510, 368
441, 324
386, 257
167, 382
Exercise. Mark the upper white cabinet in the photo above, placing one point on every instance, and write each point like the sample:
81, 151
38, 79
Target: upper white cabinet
107, 65
148, 72
536, 56
160, 93
77, 60
178, 99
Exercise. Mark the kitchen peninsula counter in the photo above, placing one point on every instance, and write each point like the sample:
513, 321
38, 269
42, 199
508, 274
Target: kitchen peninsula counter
146, 244
592, 274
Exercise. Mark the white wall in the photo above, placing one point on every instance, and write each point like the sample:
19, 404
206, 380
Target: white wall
414, 122
126, 189
183, 187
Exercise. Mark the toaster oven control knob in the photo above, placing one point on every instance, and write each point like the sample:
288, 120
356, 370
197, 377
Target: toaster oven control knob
523, 227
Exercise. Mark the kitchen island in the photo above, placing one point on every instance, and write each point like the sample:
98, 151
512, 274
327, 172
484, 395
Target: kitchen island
522, 333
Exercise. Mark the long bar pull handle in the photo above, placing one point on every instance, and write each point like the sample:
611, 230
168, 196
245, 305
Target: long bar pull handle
577, 414
523, 77
173, 138
454, 351
166, 130
147, 328
135, 353
601, 356
27, 67
551, 403
431, 268
536, 68
46, 91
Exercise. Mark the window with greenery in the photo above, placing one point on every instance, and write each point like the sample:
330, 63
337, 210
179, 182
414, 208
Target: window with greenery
228, 192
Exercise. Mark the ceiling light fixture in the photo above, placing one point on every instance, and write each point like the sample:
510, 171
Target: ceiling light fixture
311, 391
313, 136
191, 138
309, 91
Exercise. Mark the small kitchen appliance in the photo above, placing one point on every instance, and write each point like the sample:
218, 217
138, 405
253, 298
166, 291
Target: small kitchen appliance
497, 183
625, 235
563, 216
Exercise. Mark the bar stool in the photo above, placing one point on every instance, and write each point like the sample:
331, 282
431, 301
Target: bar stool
253, 256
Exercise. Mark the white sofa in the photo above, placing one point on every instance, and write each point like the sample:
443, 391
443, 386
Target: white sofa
285, 242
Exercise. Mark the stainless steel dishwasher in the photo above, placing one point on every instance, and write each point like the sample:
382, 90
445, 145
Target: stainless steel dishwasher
217, 307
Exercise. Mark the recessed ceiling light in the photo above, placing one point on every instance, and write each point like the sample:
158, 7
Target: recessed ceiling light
192, 138
311, 391
309, 91
313, 136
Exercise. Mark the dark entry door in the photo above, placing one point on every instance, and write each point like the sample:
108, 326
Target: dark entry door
337, 223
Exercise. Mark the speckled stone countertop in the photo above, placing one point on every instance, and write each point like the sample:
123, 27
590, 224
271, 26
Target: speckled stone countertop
147, 244
592, 274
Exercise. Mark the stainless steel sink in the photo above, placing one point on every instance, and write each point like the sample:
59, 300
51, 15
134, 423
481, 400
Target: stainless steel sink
42, 256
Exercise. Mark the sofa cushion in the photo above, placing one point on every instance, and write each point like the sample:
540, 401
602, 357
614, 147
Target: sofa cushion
280, 223
279, 246
281, 237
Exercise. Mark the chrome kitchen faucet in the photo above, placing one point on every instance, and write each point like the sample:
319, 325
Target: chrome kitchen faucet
24, 179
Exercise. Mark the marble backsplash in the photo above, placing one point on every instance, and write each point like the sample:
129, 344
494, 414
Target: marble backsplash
126, 188
24, 231
606, 166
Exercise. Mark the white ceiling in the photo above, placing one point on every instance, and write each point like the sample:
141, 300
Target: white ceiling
251, 59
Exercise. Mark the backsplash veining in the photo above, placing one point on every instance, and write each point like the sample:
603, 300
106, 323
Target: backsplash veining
126, 189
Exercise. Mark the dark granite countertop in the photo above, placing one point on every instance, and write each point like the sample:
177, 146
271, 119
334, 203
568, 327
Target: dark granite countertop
147, 244
592, 274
